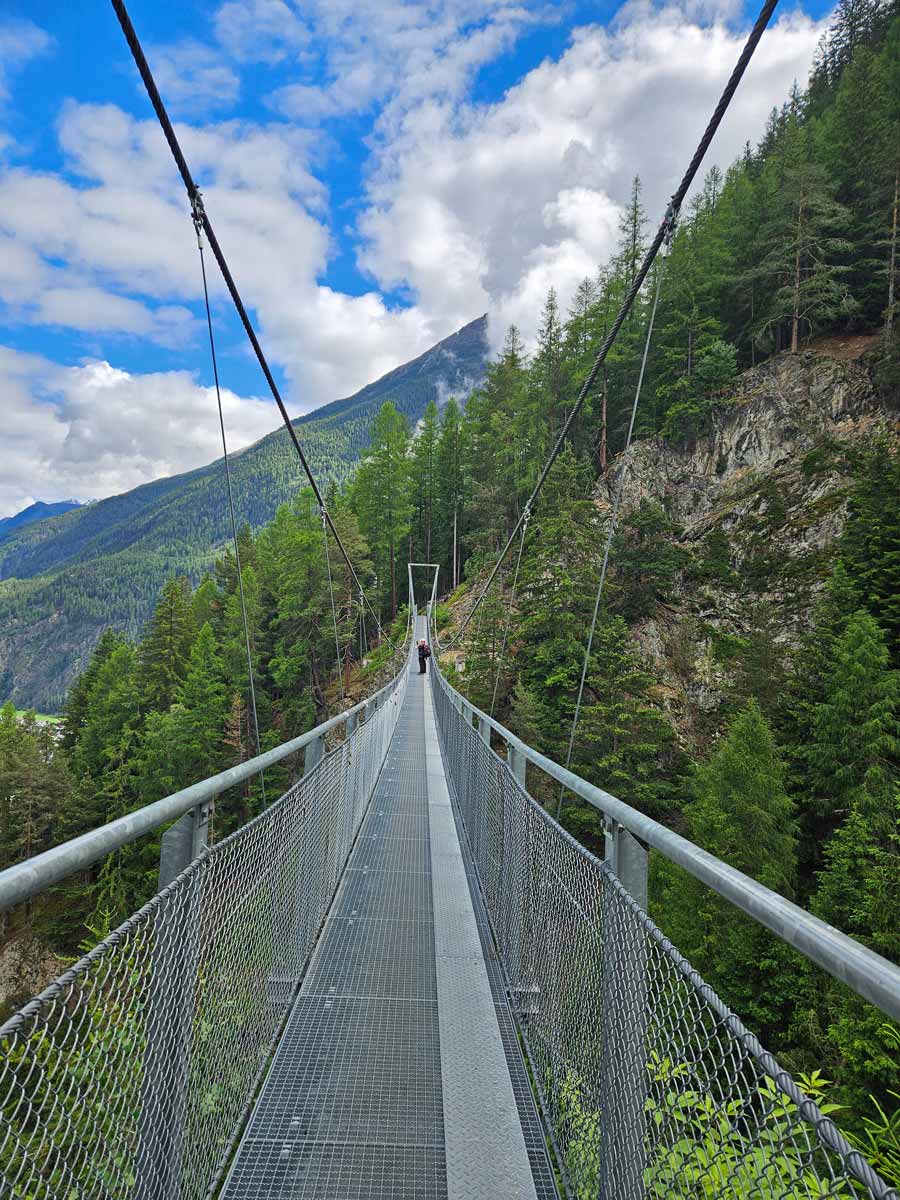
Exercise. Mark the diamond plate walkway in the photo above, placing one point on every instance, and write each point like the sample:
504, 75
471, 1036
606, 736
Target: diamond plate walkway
399, 1073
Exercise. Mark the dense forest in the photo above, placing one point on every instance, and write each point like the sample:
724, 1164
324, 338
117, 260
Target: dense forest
792, 775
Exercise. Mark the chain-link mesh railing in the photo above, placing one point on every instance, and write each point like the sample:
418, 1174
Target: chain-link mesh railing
649, 1086
130, 1075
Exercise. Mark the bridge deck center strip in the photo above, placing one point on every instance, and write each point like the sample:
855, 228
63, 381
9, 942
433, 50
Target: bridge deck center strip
485, 1146
390, 1079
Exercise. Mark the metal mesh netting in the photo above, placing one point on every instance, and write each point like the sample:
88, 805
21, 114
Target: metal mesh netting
130, 1075
649, 1086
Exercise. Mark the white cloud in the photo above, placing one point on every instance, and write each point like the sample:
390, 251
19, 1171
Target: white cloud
260, 30
20, 42
371, 52
192, 77
484, 207
94, 430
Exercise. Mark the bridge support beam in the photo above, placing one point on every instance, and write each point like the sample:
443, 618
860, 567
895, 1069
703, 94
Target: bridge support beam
624, 1083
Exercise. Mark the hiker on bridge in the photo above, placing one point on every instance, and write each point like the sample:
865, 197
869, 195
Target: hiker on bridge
424, 655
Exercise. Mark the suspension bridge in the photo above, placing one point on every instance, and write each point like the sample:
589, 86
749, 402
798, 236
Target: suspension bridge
404, 978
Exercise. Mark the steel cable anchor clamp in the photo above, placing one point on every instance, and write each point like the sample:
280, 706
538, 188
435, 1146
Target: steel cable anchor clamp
526, 516
670, 223
197, 214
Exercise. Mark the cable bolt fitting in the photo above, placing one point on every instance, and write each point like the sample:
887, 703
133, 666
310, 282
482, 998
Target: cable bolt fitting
197, 212
670, 223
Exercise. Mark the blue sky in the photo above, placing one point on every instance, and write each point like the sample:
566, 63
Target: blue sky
379, 173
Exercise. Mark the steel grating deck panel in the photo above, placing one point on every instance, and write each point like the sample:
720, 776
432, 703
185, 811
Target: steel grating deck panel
356, 1103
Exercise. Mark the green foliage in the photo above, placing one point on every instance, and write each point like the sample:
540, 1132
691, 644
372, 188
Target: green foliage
699, 1147
870, 545
646, 560
382, 493
741, 813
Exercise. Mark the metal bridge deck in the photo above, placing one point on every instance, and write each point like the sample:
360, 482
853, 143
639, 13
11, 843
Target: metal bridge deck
399, 1073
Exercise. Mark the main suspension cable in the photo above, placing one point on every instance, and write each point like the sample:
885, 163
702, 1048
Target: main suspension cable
610, 533
197, 206
666, 225
234, 530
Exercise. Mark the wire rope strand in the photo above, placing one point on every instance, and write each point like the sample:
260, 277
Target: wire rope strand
337, 640
230, 492
508, 617
610, 533
196, 200
662, 233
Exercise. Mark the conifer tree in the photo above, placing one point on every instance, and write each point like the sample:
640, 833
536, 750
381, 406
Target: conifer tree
799, 245
381, 494
503, 440
870, 544
424, 481
449, 492
166, 645
77, 707
853, 747
741, 813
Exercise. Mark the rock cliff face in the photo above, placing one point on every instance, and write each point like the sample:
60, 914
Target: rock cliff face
757, 503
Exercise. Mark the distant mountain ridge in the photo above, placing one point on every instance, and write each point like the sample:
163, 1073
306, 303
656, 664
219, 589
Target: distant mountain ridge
65, 578
35, 512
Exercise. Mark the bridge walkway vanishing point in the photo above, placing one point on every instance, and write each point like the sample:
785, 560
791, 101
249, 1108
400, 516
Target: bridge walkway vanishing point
393, 1078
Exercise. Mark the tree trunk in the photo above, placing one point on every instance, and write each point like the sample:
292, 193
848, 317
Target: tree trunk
394, 582
892, 269
795, 318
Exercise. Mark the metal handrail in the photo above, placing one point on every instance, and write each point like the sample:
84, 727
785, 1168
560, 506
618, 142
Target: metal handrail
28, 879
866, 972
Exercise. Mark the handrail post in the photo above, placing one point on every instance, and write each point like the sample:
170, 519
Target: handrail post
484, 730
170, 1010
624, 1083
313, 753
183, 842
517, 763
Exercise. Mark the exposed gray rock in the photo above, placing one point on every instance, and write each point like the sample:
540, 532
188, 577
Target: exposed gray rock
772, 476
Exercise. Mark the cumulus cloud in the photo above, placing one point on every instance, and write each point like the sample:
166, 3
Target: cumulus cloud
484, 207
20, 42
193, 77
93, 430
369, 52
260, 30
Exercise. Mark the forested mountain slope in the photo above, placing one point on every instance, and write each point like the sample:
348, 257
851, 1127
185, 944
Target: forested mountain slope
63, 580
38, 511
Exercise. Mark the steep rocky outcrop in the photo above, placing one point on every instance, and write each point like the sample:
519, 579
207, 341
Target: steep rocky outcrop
758, 503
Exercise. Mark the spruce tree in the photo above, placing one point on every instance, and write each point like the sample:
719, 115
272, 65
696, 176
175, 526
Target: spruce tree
800, 243
870, 543
381, 495
424, 482
741, 813
449, 494
853, 748
166, 645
